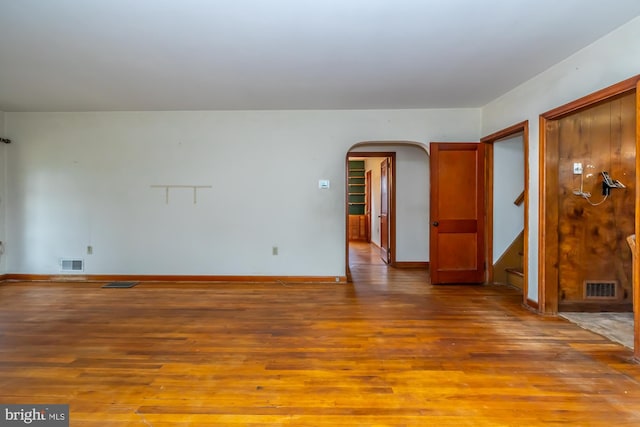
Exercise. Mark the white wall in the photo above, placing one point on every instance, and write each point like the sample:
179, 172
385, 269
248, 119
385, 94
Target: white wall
609, 60
508, 184
412, 204
81, 179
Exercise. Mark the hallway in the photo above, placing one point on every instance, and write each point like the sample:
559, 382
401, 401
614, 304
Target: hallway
363, 253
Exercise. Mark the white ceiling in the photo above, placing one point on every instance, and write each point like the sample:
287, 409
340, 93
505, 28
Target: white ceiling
79, 55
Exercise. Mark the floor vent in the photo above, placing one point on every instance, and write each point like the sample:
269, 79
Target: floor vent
120, 285
71, 265
600, 290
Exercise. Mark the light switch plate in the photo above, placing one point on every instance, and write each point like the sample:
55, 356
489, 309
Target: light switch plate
577, 168
324, 184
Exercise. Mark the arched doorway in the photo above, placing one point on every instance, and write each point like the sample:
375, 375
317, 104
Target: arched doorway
408, 204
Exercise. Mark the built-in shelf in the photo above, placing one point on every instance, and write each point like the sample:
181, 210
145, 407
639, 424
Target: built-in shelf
356, 187
356, 191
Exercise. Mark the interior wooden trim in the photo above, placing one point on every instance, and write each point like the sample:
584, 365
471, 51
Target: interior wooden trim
412, 264
489, 140
547, 221
636, 260
171, 278
506, 132
525, 249
392, 232
392, 188
488, 188
542, 223
593, 98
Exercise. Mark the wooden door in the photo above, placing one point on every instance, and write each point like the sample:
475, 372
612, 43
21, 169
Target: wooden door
384, 211
367, 206
457, 213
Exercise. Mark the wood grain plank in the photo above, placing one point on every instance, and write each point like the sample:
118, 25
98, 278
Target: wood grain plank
389, 349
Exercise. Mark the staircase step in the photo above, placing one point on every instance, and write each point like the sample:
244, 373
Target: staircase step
515, 277
518, 271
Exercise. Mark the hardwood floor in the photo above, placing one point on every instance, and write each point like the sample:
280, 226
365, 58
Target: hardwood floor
386, 350
363, 253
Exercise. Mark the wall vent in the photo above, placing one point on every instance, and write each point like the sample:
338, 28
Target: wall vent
600, 290
71, 265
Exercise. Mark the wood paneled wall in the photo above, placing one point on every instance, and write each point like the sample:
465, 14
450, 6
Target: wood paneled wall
592, 239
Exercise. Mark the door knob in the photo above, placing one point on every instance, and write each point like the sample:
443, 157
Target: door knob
435, 223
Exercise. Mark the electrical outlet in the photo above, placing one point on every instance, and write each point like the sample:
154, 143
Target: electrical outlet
274, 250
577, 168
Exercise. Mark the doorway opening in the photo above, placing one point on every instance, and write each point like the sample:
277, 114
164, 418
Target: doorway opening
371, 208
583, 235
407, 235
507, 187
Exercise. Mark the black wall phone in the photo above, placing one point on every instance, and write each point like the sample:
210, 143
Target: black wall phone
608, 183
